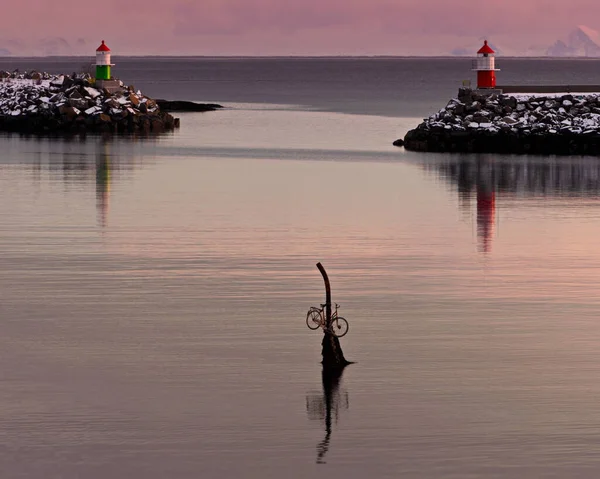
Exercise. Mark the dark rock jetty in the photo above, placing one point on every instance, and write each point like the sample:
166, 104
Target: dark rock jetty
560, 124
39, 103
178, 105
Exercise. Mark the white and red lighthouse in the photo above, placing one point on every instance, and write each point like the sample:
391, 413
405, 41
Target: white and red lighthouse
485, 66
103, 63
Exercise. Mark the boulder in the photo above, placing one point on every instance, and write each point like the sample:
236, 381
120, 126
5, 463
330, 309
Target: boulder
80, 103
92, 92
69, 111
133, 98
112, 103
465, 95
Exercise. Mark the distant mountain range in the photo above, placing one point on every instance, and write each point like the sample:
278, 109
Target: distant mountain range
471, 51
581, 42
44, 47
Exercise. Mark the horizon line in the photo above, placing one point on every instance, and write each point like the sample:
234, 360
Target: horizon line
458, 57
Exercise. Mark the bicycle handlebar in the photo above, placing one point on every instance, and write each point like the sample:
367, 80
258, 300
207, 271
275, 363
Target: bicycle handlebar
336, 305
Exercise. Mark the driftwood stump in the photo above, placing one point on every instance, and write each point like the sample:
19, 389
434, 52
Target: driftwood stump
333, 356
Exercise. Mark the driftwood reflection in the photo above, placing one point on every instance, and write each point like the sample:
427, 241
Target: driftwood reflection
489, 179
326, 407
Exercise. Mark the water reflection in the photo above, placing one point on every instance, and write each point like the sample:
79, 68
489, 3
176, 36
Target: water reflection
103, 178
486, 216
488, 178
523, 176
91, 165
326, 407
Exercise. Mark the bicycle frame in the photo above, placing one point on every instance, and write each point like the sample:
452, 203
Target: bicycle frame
316, 317
334, 315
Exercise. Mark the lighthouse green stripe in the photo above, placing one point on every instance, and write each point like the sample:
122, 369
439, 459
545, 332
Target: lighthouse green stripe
102, 72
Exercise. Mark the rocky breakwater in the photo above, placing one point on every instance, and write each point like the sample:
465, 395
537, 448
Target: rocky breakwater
71, 105
560, 124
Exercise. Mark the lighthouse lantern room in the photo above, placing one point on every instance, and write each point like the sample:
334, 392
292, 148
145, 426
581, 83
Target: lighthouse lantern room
103, 62
485, 66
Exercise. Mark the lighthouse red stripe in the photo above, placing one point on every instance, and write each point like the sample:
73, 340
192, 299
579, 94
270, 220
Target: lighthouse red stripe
485, 48
103, 48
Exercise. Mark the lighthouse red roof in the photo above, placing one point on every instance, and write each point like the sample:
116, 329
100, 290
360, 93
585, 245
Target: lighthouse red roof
484, 49
103, 48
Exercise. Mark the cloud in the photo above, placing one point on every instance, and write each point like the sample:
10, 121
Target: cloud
294, 26
428, 17
238, 16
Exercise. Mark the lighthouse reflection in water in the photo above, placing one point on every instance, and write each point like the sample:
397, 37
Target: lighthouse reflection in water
488, 182
486, 210
103, 178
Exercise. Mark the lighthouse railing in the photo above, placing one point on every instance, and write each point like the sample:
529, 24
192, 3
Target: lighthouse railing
483, 63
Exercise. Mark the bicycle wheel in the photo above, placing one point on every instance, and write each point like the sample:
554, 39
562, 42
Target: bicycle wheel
339, 326
313, 319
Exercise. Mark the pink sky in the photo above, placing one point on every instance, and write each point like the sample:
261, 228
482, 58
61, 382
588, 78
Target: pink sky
289, 27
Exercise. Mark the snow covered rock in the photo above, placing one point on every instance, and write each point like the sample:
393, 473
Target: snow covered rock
40, 103
564, 124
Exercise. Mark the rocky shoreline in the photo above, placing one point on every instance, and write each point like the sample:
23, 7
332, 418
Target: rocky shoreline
69, 104
179, 105
561, 124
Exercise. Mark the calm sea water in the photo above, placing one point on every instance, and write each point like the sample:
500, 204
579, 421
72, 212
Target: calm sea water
153, 292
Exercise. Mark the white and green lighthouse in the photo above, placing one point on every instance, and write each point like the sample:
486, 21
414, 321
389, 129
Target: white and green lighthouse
103, 62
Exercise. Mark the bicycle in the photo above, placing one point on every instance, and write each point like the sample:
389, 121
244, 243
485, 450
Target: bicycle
315, 318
